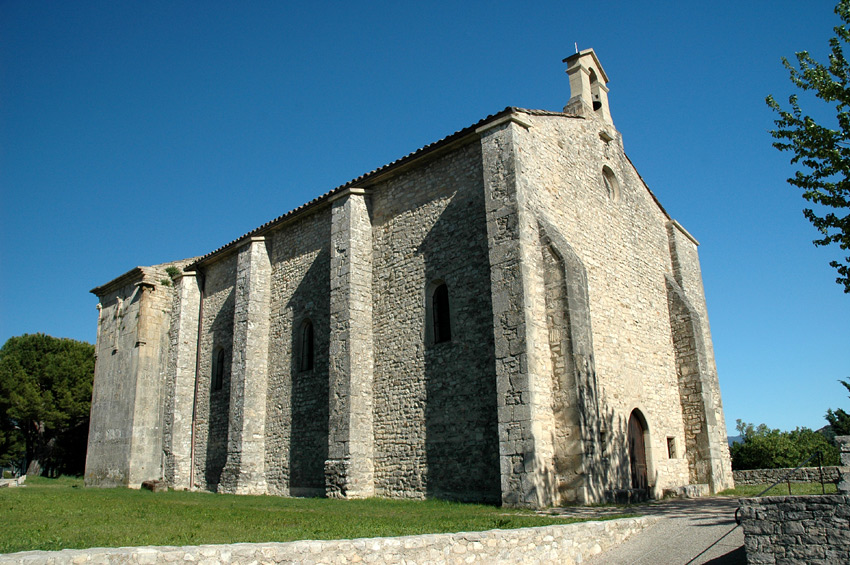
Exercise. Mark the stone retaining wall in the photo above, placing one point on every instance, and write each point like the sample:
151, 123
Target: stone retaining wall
802, 475
809, 530
570, 543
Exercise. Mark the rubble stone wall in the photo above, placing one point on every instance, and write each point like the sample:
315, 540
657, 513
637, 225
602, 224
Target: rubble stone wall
804, 530
803, 475
297, 404
213, 406
434, 403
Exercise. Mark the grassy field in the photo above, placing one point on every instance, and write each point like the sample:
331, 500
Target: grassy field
779, 490
60, 514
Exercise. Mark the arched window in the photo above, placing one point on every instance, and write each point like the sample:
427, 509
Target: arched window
218, 369
440, 314
612, 185
305, 361
594, 90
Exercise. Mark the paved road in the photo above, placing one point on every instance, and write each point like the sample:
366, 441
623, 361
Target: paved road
687, 528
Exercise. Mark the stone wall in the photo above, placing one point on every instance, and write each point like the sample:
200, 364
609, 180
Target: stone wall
562, 162
805, 530
126, 427
770, 476
297, 405
572, 543
435, 403
114, 389
213, 406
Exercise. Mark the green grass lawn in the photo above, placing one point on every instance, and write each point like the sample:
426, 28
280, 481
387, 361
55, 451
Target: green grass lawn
60, 513
779, 490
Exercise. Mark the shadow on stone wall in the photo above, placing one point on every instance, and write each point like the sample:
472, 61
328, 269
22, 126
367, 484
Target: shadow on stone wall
308, 445
461, 430
218, 401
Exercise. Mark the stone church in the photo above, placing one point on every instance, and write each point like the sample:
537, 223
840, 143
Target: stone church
507, 315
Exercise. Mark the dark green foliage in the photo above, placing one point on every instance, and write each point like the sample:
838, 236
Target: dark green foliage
839, 420
172, 272
764, 448
822, 151
45, 396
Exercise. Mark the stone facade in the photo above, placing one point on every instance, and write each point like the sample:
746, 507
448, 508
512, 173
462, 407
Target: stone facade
506, 315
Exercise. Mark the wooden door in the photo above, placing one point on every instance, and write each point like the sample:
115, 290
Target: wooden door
637, 452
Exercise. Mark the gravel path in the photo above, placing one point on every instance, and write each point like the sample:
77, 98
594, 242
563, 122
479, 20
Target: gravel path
688, 528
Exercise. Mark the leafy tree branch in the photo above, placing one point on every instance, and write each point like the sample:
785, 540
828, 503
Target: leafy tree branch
823, 152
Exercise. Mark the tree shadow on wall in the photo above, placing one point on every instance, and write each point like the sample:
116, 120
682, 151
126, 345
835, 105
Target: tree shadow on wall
609, 460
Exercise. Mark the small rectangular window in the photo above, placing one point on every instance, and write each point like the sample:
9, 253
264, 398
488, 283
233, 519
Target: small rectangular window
671, 448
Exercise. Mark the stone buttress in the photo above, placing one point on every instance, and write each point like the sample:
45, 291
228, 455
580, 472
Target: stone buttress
349, 470
244, 472
699, 391
185, 351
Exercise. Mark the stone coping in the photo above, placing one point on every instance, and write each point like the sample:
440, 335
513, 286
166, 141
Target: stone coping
831, 474
567, 543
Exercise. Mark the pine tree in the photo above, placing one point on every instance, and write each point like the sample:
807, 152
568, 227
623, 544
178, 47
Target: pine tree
45, 397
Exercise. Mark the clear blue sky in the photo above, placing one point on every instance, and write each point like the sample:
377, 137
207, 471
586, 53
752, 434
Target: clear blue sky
133, 133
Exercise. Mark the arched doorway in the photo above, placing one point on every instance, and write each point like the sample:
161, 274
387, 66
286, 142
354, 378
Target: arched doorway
637, 450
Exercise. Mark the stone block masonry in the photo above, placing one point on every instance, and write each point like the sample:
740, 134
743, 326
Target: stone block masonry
350, 468
434, 401
566, 544
797, 530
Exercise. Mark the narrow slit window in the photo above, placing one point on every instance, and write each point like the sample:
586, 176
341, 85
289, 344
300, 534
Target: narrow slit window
218, 370
306, 361
441, 315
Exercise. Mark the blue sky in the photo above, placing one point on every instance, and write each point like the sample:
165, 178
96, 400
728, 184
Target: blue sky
133, 133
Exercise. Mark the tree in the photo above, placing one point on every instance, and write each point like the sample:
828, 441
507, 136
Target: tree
839, 420
765, 448
45, 396
822, 151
